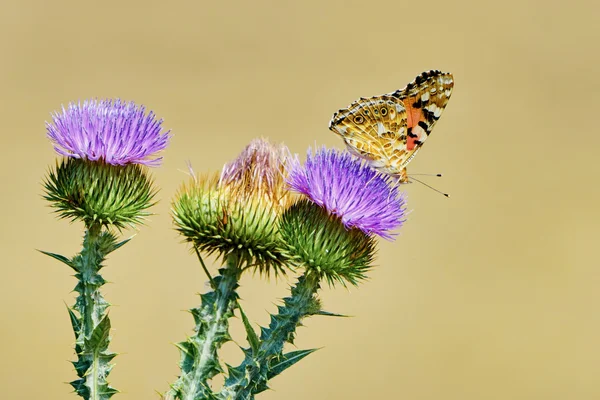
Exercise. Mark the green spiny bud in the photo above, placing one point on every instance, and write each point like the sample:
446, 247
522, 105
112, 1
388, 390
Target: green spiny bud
321, 243
99, 193
238, 212
217, 220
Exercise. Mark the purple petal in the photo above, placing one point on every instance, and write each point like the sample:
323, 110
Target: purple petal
116, 132
360, 196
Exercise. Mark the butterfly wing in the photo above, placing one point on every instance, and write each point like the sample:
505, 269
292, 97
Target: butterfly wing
425, 99
374, 129
390, 141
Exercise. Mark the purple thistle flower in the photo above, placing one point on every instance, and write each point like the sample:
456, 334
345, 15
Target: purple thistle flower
360, 196
114, 131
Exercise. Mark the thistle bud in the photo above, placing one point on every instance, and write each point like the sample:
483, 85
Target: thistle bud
238, 211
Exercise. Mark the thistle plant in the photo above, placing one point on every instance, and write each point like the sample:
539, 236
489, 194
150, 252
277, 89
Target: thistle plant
251, 219
102, 181
233, 214
264, 212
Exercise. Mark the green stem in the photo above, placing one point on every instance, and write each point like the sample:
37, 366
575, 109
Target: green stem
92, 305
251, 376
90, 324
199, 359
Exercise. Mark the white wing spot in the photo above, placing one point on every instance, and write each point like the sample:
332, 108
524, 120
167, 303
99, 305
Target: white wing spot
417, 130
425, 96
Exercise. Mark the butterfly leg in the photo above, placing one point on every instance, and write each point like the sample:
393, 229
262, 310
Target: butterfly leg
403, 177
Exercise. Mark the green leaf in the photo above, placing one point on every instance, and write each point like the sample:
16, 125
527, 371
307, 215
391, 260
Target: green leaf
107, 392
98, 340
60, 258
330, 314
279, 365
250, 333
260, 387
118, 245
287, 360
236, 374
80, 388
75, 322
189, 354
81, 367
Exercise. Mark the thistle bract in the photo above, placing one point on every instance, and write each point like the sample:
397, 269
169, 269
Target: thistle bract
360, 196
112, 131
319, 241
96, 192
238, 211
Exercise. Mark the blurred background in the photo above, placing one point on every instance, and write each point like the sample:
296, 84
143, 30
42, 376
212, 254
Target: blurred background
491, 294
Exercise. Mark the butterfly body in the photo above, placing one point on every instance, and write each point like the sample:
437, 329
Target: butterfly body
388, 130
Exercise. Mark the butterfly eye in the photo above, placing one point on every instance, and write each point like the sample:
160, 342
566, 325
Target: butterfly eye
359, 119
383, 111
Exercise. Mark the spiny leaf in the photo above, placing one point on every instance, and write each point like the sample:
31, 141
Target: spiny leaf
187, 348
188, 355
60, 258
330, 314
75, 322
279, 365
250, 333
80, 388
107, 392
286, 360
107, 357
118, 245
98, 340
235, 373
81, 366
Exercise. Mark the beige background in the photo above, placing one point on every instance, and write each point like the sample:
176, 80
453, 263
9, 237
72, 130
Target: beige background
491, 294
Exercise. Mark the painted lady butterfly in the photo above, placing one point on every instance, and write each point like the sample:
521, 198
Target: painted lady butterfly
388, 130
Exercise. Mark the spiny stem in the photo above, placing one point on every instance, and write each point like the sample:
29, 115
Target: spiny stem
251, 376
199, 360
209, 347
93, 365
92, 304
90, 323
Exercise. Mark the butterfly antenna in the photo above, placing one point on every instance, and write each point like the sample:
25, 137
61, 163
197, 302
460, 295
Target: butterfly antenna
438, 175
430, 187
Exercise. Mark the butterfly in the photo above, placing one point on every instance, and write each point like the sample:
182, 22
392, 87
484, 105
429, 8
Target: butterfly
388, 130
